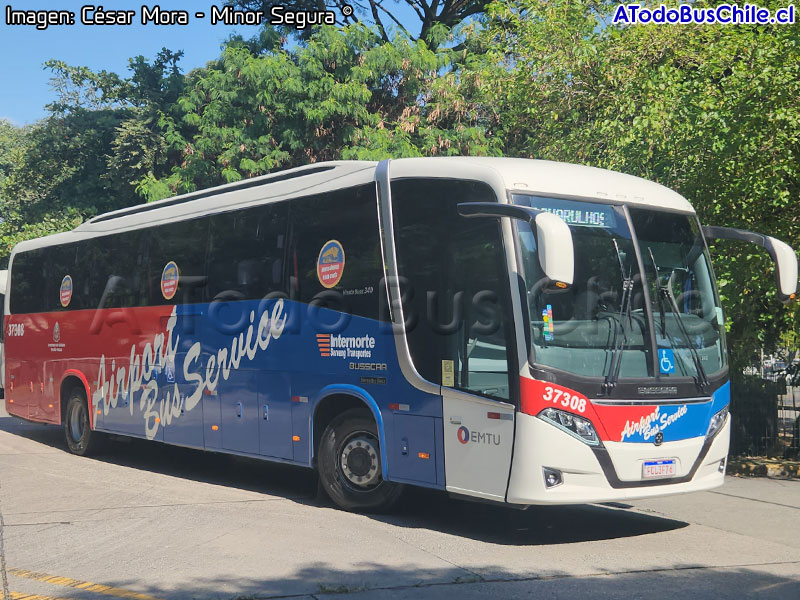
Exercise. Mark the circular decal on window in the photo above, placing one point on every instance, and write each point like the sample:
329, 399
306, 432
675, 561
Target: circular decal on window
65, 293
330, 264
169, 280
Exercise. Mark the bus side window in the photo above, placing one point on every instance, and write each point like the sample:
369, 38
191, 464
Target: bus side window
183, 243
246, 253
59, 262
27, 283
458, 310
116, 270
349, 219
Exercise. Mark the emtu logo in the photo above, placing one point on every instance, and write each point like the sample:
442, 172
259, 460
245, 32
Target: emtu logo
324, 343
463, 434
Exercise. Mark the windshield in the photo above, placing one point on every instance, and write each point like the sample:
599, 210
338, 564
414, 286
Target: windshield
596, 328
686, 308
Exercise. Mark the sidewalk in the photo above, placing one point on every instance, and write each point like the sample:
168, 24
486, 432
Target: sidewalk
750, 466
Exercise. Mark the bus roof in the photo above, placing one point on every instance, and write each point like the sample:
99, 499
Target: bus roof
538, 177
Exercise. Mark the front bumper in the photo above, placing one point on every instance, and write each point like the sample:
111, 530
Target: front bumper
611, 473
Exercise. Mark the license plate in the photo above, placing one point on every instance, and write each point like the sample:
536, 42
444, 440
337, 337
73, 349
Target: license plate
658, 469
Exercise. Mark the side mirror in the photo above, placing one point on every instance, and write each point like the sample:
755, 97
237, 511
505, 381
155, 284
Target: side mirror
781, 253
553, 237
555, 248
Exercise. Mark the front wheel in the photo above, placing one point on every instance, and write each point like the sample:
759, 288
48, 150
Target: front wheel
350, 464
81, 440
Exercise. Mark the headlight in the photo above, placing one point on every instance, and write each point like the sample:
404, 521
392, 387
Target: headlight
577, 427
717, 421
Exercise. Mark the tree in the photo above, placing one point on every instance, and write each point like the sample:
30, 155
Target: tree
711, 111
430, 13
100, 139
12, 144
344, 94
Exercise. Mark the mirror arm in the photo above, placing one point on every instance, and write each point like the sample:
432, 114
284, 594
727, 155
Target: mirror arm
712, 232
494, 209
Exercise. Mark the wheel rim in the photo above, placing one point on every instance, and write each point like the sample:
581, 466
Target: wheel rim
77, 422
360, 462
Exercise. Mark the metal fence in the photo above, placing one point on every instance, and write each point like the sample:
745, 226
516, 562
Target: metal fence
766, 415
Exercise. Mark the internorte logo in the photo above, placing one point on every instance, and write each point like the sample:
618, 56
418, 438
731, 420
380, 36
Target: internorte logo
342, 346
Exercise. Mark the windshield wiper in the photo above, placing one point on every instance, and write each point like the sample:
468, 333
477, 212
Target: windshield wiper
665, 291
624, 314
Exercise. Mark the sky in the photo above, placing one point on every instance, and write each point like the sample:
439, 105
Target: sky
24, 84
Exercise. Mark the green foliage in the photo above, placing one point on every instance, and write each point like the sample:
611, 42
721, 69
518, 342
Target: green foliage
383, 16
88, 156
12, 144
710, 111
345, 94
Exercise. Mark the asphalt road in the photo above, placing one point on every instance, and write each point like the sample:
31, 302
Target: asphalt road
147, 522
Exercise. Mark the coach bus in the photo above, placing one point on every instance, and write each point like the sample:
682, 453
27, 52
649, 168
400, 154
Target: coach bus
519, 331
3, 280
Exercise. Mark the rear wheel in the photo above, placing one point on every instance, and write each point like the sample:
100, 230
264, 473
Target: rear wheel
81, 440
350, 464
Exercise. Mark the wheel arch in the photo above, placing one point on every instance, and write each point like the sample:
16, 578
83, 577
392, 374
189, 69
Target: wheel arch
73, 378
334, 400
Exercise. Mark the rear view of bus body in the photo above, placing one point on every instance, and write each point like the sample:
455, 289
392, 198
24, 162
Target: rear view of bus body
512, 330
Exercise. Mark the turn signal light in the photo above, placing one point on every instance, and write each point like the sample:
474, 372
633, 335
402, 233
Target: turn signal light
424, 455
215, 428
295, 438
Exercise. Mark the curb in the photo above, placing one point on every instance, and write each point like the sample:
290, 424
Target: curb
764, 467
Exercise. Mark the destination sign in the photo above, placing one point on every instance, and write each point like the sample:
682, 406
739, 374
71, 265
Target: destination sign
573, 212
588, 218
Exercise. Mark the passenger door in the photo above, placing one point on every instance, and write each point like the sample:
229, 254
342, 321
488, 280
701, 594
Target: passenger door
459, 330
478, 441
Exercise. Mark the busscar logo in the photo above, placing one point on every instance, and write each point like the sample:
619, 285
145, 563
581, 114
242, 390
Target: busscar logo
341, 346
356, 366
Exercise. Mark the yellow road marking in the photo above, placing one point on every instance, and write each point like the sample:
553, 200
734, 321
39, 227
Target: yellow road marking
21, 596
88, 586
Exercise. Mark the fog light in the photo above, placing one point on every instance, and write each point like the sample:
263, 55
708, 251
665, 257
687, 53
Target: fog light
552, 477
721, 467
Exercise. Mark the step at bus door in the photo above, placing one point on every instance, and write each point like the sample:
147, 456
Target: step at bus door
478, 442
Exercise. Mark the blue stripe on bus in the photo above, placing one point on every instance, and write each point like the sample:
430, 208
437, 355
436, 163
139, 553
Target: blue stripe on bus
293, 365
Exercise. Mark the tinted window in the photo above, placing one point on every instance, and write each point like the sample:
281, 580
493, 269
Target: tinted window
457, 304
184, 244
59, 262
246, 256
334, 238
118, 270
27, 280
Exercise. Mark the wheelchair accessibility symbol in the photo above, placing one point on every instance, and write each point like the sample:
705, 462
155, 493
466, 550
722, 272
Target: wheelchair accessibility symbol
666, 360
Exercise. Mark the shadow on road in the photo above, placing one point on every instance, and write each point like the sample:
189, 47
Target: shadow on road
420, 508
675, 583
